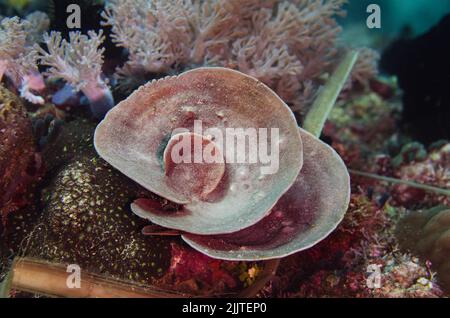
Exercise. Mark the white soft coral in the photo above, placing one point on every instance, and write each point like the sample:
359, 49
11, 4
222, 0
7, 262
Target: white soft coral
18, 59
79, 63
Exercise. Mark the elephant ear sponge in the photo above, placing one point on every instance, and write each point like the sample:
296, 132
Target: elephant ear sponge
257, 215
428, 235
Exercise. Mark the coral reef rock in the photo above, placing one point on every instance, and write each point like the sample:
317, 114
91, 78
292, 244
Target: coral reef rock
427, 234
341, 265
365, 122
432, 168
85, 219
19, 163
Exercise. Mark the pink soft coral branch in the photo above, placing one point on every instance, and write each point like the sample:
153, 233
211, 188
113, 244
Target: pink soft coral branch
287, 44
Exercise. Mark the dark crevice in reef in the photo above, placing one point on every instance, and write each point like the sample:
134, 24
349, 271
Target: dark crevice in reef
422, 65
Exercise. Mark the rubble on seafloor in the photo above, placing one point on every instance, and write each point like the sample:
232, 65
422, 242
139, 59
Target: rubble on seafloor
426, 234
346, 264
365, 244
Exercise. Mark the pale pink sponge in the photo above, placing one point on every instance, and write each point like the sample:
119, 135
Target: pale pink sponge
229, 209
